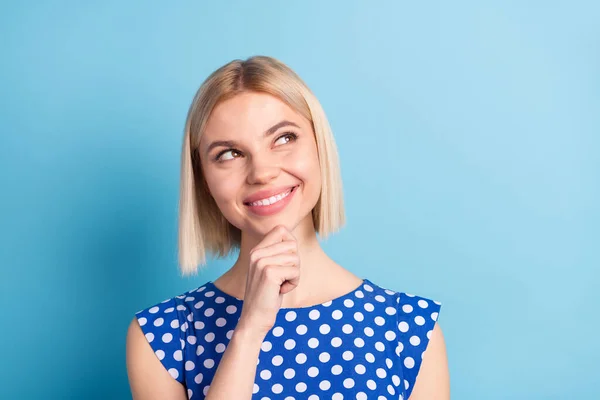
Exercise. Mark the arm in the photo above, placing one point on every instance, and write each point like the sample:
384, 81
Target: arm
148, 379
235, 374
433, 381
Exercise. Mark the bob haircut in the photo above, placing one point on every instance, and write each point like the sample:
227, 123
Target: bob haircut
202, 226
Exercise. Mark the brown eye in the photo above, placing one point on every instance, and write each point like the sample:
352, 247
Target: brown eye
286, 138
227, 155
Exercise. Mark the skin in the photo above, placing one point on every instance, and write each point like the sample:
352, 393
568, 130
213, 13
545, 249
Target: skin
232, 173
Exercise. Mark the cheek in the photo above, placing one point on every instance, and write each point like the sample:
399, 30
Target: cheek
305, 165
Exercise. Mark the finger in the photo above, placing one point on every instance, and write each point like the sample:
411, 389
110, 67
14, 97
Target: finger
278, 234
278, 260
287, 276
287, 246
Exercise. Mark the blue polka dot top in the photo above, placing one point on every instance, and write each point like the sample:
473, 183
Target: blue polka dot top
366, 344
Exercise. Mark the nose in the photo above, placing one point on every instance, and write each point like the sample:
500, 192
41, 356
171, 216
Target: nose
262, 171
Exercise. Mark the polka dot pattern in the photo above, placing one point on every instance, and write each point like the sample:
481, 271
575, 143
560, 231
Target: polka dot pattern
368, 343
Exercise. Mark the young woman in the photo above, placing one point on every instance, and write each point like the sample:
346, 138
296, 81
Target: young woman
260, 175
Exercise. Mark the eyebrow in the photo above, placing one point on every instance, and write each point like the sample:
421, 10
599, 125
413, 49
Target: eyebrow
268, 132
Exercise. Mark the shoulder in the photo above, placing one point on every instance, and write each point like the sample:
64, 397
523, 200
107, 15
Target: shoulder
156, 347
421, 346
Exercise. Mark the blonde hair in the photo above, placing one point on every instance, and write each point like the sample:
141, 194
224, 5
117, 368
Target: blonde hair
202, 226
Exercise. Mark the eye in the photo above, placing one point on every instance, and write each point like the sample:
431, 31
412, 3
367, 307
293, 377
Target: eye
286, 138
226, 155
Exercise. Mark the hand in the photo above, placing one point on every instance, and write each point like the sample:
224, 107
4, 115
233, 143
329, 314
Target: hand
274, 270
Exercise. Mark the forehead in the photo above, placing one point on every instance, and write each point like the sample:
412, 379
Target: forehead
249, 113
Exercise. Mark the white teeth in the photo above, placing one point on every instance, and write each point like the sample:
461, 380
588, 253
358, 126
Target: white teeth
272, 199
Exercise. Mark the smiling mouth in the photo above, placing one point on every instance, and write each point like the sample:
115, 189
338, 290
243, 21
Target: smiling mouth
272, 200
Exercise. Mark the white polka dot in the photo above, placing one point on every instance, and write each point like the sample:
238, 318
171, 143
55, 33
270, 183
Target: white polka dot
191, 339
180, 308
209, 363
348, 355
209, 312
409, 362
184, 327
199, 325
348, 303
434, 316
209, 294
390, 310
359, 294
419, 320
199, 350
149, 337
324, 385
370, 358
160, 354
336, 369
153, 310
368, 288
380, 321
348, 383
360, 369
380, 346
178, 355
371, 384
396, 380
347, 329
142, 321
301, 358
358, 316
313, 371
369, 331
314, 314
169, 310
423, 304
231, 309
175, 324
389, 335
403, 327
358, 342
290, 344
277, 331
189, 365
414, 340
209, 337
174, 373
221, 322
428, 334
266, 346
337, 315
290, 316
391, 390
220, 348
361, 396
277, 388
301, 387
255, 389
369, 307
324, 329
198, 378
167, 337
289, 373
189, 298
336, 342
277, 361
324, 357
265, 374
313, 343
380, 372
327, 303
301, 329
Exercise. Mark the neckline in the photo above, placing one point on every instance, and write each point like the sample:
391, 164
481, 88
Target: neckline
365, 281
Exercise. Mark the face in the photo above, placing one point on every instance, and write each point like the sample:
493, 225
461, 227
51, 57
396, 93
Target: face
261, 164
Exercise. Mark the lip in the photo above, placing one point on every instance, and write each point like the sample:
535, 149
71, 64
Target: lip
266, 193
272, 209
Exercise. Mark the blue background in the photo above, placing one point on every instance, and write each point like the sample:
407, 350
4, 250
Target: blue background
469, 143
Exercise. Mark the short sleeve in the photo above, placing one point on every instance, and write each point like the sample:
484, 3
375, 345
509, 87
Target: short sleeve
416, 318
164, 326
